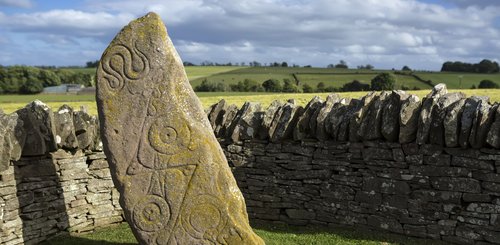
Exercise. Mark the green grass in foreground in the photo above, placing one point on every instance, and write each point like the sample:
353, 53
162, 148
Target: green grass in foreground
10, 103
272, 235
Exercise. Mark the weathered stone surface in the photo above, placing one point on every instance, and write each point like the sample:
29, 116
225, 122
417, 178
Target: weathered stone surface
438, 114
227, 120
65, 130
467, 120
408, 120
452, 123
284, 121
425, 119
391, 114
483, 119
38, 123
303, 128
174, 181
493, 137
267, 119
12, 137
85, 129
247, 122
344, 130
358, 113
216, 113
338, 114
371, 124
321, 131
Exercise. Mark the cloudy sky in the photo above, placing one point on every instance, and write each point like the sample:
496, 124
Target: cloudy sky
385, 33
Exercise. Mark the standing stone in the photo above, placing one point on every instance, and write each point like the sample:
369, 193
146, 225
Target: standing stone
174, 181
408, 120
493, 137
322, 117
390, 115
425, 119
438, 114
452, 123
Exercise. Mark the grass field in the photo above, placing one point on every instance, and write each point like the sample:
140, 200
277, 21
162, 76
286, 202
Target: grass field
330, 76
10, 103
193, 72
338, 77
272, 235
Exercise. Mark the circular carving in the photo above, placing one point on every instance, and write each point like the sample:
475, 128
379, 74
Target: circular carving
169, 136
121, 63
204, 215
151, 213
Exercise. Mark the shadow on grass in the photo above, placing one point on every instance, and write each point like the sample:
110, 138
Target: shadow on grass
286, 234
113, 235
81, 241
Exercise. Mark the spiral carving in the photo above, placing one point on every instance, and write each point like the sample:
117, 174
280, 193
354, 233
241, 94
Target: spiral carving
121, 64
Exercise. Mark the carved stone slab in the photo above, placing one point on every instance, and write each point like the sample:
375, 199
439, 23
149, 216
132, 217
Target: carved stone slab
175, 184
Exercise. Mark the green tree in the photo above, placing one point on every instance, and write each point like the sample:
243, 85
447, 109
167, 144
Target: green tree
32, 86
383, 81
320, 87
290, 87
355, 85
272, 85
342, 64
487, 84
406, 68
306, 88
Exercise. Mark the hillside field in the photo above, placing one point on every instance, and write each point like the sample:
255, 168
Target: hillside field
338, 77
329, 76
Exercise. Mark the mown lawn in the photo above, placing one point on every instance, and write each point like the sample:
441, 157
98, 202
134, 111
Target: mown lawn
272, 235
10, 103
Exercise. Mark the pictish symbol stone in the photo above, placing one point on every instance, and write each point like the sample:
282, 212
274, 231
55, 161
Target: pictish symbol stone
175, 183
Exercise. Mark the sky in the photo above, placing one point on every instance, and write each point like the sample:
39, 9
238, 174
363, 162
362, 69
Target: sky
421, 34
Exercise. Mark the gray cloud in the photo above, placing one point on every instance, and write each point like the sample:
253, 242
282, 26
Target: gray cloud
387, 34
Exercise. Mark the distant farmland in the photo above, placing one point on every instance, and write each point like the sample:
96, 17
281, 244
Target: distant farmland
329, 76
338, 77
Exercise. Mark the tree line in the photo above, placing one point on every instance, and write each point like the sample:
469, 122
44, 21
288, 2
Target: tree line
383, 81
32, 80
485, 66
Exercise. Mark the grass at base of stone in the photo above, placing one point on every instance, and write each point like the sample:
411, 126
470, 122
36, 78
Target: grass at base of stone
272, 235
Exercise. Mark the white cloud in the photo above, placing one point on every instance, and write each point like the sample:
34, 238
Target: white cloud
316, 32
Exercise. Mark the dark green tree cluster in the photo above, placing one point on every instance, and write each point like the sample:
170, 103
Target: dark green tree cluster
92, 64
32, 80
488, 84
485, 66
383, 81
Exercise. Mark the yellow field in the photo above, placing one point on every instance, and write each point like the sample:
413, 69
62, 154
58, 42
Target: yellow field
264, 98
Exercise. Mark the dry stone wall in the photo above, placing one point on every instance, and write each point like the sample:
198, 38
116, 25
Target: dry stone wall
388, 161
54, 176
